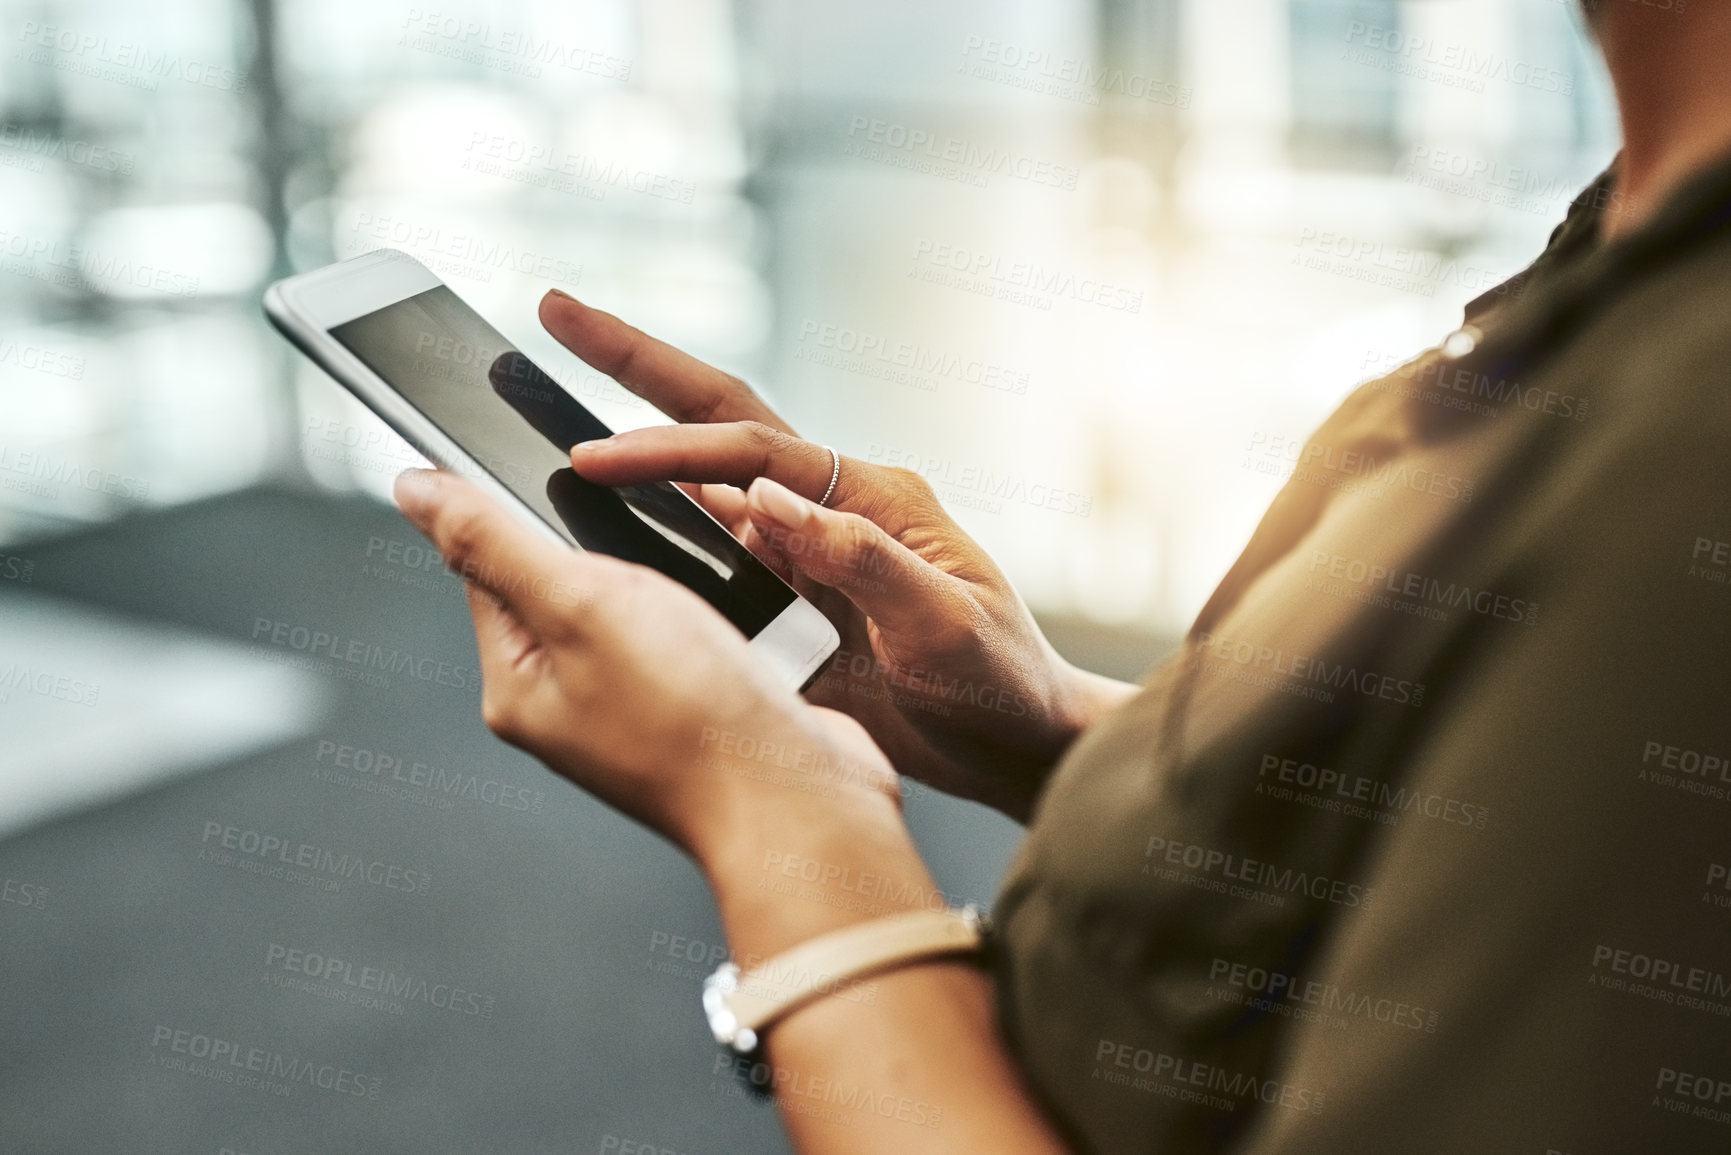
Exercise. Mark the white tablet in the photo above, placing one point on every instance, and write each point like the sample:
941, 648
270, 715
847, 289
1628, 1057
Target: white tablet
416, 354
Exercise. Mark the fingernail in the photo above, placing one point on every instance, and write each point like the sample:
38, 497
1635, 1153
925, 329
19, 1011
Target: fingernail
413, 491
591, 446
561, 294
779, 502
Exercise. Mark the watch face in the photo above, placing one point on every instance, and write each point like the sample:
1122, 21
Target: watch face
723, 1023
742, 1045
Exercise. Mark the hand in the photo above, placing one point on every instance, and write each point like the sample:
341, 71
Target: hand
624, 682
618, 678
941, 661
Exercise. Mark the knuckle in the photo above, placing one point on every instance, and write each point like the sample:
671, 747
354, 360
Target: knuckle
863, 542
703, 410
911, 483
763, 437
767, 444
499, 715
630, 351
459, 534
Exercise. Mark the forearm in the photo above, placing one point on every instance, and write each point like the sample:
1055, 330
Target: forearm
909, 1060
922, 1070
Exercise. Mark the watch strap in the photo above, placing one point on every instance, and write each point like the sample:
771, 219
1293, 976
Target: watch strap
741, 1005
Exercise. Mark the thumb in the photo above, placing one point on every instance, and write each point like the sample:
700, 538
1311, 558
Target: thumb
889, 583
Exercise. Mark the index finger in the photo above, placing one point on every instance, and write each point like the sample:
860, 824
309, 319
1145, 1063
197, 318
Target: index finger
675, 382
735, 453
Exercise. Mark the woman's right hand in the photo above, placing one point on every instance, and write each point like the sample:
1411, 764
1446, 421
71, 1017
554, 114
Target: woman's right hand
940, 660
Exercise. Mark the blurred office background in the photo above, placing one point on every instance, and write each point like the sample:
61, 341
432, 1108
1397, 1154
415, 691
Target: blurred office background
1079, 261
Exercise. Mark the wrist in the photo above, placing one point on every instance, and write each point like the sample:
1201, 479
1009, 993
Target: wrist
787, 864
1075, 700
1086, 698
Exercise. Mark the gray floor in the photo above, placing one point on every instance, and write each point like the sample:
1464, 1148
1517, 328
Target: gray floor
576, 1020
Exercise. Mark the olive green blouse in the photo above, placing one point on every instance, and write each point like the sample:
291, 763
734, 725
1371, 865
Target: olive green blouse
1420, 842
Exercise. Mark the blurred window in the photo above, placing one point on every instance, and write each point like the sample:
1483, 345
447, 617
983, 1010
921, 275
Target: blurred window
1345, 83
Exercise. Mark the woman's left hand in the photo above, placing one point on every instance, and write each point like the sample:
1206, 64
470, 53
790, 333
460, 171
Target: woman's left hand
635, 689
